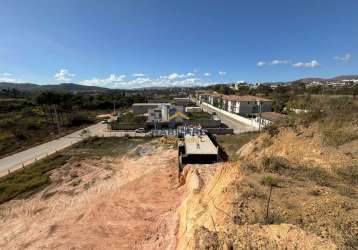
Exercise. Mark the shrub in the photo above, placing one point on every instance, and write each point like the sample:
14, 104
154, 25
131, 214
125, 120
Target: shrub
349, 173
272, 130
274, 163
79, 120
270, 180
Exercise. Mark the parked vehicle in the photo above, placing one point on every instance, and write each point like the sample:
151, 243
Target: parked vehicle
140, 130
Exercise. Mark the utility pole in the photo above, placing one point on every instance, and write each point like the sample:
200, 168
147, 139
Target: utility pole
114, 107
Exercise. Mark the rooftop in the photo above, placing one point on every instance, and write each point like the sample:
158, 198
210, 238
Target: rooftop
272, 116
199, 145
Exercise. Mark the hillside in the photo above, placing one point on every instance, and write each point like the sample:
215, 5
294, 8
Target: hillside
313, 203
337, 78
70, 87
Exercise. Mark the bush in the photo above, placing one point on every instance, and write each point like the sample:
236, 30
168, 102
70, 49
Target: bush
274, 163
79, 120
272, 130
349, 173
30, 178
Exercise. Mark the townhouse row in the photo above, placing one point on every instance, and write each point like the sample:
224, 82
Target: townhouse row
241, 105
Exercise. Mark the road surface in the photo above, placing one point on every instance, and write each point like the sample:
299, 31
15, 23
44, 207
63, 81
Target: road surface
237, 126
24, 158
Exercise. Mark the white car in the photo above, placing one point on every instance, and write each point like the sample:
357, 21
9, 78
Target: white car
140, 130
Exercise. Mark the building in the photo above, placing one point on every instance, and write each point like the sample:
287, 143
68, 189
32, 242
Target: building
143, 108
268, 118
244, 105
182, 101
161, 113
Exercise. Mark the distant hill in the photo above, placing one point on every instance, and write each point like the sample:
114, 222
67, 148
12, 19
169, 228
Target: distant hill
337, 78
70, 87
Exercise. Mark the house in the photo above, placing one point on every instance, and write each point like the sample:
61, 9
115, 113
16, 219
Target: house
268, 118
143, 108
161, 113
245, 104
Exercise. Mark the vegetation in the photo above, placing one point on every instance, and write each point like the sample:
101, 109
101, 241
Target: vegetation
198, 115
336, 118
27, 119
232, 143
130, 118
30, 178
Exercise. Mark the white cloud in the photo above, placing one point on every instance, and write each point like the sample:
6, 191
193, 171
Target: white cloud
276, 62
7, 77
345, 57
273, 62
63, 75
207, 74
138, 75
176, 76
222, 73
113, 81
171, 80
311, 64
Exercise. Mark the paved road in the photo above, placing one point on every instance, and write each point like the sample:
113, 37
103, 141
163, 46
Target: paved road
28, 156
237, 126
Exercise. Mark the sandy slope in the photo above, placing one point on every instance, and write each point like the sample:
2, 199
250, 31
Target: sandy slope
127, 203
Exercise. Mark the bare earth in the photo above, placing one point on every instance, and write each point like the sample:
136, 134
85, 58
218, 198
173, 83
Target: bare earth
123, 203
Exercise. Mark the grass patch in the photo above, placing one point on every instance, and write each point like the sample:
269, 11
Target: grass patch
32, 177
333, 136
232, 143
107, 146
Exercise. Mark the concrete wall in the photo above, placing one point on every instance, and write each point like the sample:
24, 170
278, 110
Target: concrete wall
236, 117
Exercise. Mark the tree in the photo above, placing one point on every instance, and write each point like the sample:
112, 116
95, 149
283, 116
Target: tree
271, 182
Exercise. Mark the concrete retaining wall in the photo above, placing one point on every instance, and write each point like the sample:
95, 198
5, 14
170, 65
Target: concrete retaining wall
247, 121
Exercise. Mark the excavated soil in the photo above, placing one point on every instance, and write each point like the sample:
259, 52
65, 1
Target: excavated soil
109, 203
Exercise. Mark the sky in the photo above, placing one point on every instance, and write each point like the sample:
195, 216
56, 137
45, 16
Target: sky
144, 43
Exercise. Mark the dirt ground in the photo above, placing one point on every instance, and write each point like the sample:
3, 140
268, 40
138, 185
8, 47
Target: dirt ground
108, 203
311, 207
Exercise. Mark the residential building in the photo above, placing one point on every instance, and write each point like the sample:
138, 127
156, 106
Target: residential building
161, 113
246, 104
143, 108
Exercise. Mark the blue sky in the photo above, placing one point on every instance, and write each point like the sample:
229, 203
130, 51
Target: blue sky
139, 43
